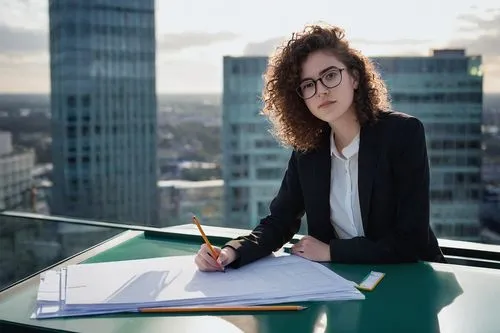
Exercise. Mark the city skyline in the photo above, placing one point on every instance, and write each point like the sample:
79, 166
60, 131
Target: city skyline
193, 36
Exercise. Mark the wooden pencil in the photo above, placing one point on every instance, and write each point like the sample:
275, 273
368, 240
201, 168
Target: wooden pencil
223, 309
214, 254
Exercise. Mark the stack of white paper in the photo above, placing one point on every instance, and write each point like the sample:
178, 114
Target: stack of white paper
126, 286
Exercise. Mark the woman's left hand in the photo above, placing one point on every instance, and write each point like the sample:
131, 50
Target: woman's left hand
311, 248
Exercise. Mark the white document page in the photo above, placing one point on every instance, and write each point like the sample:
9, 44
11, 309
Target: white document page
176, 281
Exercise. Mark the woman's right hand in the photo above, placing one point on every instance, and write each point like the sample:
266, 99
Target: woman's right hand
207, 263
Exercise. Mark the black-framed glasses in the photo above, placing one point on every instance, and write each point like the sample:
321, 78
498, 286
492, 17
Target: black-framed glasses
331, 78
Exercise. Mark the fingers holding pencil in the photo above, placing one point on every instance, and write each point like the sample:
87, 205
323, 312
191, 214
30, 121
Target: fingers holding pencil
206, 262
211, 258
226, 256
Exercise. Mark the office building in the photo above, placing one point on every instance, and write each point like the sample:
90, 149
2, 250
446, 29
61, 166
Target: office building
103, 99
253, 161
15, 175
180, 199
445, 92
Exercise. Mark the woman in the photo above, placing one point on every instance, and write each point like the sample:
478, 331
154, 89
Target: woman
358, 170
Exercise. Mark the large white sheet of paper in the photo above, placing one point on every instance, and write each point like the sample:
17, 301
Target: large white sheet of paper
176, 281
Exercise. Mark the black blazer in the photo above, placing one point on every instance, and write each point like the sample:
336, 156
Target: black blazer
393, 185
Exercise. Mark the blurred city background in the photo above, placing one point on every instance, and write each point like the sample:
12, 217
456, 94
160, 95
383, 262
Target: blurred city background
143, 112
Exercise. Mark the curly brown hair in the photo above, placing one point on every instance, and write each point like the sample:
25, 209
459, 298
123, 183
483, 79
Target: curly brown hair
293, 124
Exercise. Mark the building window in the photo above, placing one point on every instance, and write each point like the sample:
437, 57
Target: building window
71, 131
86, 100
71, 101
269, 173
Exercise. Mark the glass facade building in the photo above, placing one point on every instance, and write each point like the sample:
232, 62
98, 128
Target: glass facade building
103, 100
254, 162
445, 92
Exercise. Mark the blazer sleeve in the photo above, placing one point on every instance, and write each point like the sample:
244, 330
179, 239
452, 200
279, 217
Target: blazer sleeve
411, 232
276, 229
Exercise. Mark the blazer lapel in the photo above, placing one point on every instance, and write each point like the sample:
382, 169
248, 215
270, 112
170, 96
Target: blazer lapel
322, 178
367, 165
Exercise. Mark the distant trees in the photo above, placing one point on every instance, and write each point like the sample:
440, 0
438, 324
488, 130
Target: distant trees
23, 128
192, 141
35, 122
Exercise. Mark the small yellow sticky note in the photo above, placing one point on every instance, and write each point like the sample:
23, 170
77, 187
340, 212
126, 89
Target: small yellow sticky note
370, 281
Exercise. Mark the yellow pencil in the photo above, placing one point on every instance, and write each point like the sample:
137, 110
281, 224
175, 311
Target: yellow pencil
214, 254
223, 308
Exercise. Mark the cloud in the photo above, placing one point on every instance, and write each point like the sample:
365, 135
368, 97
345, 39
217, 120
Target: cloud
491, 68
24, 60
493, 10
27, 14
484, 35
483, 38
407, 41
485, 45
263, 48
266, 47
188, 76
181, 41
474, 22
27, 74
19, 40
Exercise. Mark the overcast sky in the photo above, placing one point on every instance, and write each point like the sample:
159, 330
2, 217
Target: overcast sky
193, 35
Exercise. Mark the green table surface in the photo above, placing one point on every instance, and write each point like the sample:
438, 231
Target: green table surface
420, 297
